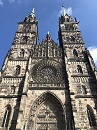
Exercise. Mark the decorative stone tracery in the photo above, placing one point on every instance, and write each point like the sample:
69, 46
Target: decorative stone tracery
47, 71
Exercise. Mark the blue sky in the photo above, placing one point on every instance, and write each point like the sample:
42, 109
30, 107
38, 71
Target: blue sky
47, 13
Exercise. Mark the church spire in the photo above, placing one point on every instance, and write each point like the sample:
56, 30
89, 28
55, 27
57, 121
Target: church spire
63, 11
31, 17
32, 14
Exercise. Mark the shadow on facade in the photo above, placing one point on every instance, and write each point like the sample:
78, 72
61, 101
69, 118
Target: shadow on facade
93, 88
17, 106
70, 125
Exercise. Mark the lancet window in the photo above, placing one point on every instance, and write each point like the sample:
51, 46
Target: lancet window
84, 90
27, 28
22, 52
18, 67
75, 53
91, 116
12, 89
24, 39
79, 69
6, 116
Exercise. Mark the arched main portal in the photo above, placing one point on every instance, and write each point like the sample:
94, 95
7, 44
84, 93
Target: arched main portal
47, 114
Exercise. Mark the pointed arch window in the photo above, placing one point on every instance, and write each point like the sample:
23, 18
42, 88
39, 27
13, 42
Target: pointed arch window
84, 90
6, 116
75, 53
18, 68
24, 39
79, 69
12, 89
22, 52
27, 28
91, 116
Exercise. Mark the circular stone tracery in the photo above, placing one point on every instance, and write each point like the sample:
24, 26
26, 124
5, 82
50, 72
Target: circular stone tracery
47, 72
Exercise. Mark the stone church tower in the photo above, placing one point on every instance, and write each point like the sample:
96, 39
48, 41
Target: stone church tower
46, 86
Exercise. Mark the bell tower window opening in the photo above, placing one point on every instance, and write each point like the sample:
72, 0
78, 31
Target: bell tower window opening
27, 28
22, 52
12, 89
84, 90
79, 69
24, 39
18, 68
75, 53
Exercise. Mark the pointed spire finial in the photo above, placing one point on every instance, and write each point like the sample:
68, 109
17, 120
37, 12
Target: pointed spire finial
48, 33
63, 11
33, 12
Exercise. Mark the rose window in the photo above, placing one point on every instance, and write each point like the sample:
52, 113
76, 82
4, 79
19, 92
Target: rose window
47, 73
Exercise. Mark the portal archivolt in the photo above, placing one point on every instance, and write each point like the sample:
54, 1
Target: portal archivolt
46, 114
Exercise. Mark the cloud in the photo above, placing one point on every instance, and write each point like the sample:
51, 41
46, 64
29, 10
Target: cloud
64, 11
1, 2
93, 52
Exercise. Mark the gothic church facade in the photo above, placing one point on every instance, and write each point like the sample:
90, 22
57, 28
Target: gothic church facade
46, 86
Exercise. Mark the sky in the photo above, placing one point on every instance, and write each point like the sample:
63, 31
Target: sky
47, 13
